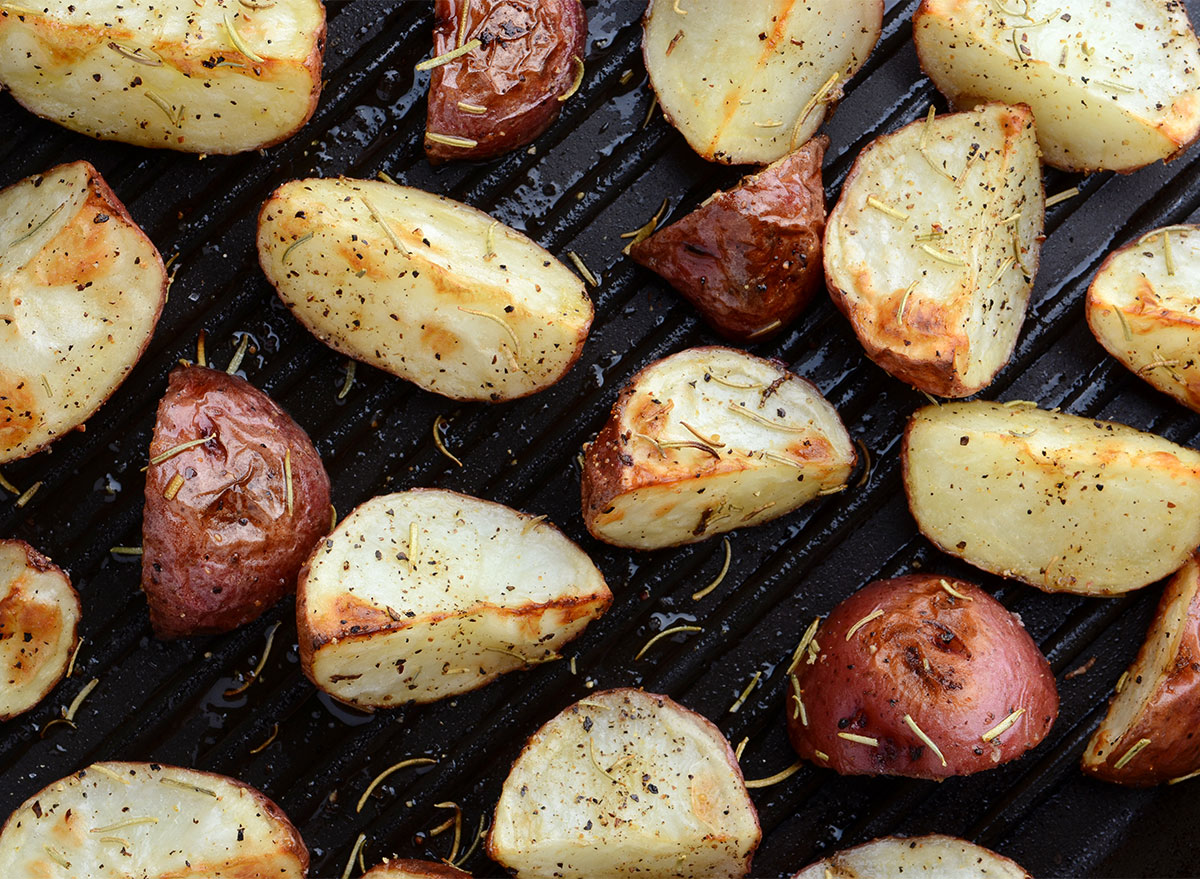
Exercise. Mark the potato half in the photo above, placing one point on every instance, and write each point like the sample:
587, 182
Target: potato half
1114, 85
749, 82
1144, 307
423, 287
39, 615
81, 290
625, 783
708, 440
1063, 503
408, 869
200, 77
928, 857
932, 248
423, 594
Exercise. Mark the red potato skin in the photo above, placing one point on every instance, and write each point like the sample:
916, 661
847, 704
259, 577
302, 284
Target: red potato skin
406, 867
525, 64
225, 548
983, 665
749, 258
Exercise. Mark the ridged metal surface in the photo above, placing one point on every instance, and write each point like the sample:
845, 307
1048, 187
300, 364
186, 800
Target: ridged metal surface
595, 174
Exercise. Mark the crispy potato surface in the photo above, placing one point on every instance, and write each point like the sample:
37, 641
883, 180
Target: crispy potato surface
927, 857
408, 869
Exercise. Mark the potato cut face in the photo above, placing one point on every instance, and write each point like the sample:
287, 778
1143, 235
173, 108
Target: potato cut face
1114, 85
625, 783
39, 613
1063, 503
407, 869
423, 594
739, 97
120, 820
423, 287
927, 857
932, 248
708, 440
205, 78
1144, 307
81, 289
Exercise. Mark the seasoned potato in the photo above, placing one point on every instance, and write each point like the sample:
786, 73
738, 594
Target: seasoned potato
1114, 85
932, 248
423, 287
749, 259
427, 593
625, 783
1144, 307
407, 869
750, 82
39, 615
927, 857
511, 87
924, 676
200, 77
236, 496
81, 289
708, 440
150, 821
1063, 503
1148, 735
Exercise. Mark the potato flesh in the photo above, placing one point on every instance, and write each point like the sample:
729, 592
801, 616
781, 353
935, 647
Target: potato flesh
442, 310
1113, 85
167, 74
738, 97
409, 869
625, 783
1063, 503
929, 857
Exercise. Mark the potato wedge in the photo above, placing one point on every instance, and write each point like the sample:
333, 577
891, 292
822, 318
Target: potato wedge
750, 82
1143, 306
427, 593
423, 287
1114, 85
749, 258
1147, 737
625, 783
202, 78
39, 617
81, 290
928, 857
1063, 503
932, 248
121, 820
407, 869
509, 89
708, 440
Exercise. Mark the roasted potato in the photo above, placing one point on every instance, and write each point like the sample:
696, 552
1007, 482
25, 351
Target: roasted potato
625, 783
929, 857
150, 821
512, 85
236, 496
427, 593
1114, 85
749, 259
932, 248
81, 289
708, 440
423, 287
203, 78
1148, 735
39, 616
407, 869
923, 676
1144, 307
750, 82
1063, 503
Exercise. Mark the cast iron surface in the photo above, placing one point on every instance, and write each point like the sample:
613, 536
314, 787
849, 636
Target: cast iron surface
596, 173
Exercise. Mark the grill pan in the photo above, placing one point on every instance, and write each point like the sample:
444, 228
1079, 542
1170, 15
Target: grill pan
596, 173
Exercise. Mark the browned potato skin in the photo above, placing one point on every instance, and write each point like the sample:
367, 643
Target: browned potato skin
749, 258
982, 666
405, 868
518, 79
225, 548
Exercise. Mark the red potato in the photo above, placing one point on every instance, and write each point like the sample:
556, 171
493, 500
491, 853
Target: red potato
403, 868
929, 857
922, 676
508, 90
225, 529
